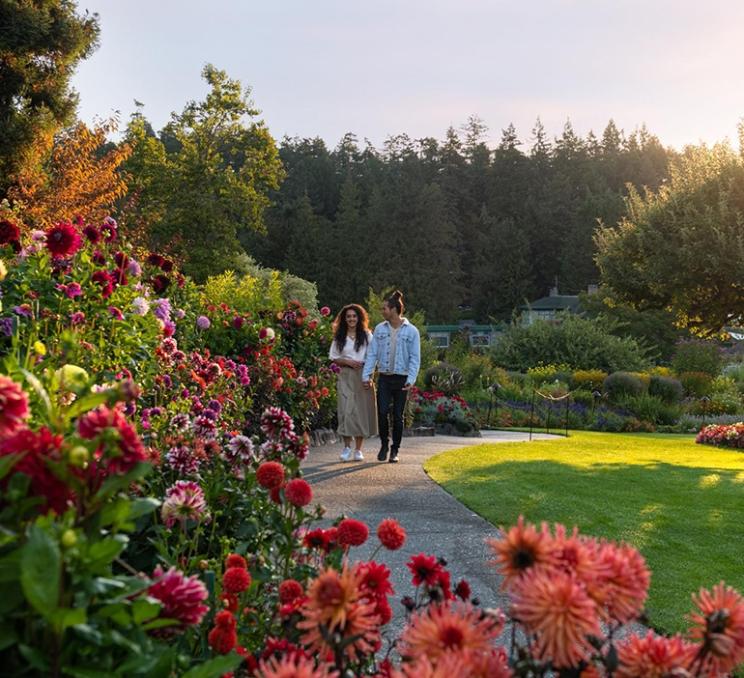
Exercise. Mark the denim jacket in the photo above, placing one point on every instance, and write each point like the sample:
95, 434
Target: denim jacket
407, 351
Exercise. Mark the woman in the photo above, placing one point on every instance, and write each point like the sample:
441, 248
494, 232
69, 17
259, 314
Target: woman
357, 412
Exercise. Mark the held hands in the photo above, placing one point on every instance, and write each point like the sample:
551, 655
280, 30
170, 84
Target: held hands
366, 384
407, 387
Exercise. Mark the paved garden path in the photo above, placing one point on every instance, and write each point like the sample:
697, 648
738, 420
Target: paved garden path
436, 523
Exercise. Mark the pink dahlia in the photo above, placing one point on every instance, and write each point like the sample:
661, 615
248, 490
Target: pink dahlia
184, 501
14, 408
121, 456
63, 240
181, 598
275, 422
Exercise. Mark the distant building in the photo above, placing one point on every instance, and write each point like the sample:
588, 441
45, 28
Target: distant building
548, 308
479, 336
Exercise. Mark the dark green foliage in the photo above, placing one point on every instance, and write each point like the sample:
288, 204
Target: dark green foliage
578, 342
696, 384
462, 229
41, 42
697, 356
620, 385
668, 389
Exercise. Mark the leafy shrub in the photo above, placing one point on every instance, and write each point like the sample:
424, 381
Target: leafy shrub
696, 384
735, 371
697, 356
670, 390
581, 343
651, 408
619, 385
479, 372
588, 379
443, 377
583, 397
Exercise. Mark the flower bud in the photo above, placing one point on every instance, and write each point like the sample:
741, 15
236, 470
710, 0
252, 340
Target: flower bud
79, 456
69, 538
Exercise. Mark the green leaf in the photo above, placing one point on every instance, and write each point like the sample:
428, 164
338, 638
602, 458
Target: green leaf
40, 391
63, 618
143, 506
142, 610
8, 636
160, 623
40, 571
87, 403
7, 463
10, 566
104, 551
35, 657
214, 668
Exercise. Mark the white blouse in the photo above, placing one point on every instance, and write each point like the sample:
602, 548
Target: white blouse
349, 353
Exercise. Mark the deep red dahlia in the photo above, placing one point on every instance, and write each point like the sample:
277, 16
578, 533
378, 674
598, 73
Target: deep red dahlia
63, 240
391, 535
222, 639
270, 474
316, 539
236, 580
374, 580
425, 569
352, 532
298, 492
236, 560
290, 590
105, 281
35, 449
14, 408
10, 234
462, 590
181, 597
92, 234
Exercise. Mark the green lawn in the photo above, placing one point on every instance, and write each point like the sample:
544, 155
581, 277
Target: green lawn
680, 504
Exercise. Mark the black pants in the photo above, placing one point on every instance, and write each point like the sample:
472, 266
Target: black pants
390, 392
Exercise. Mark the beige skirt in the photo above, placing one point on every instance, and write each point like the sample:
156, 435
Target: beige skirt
357, 406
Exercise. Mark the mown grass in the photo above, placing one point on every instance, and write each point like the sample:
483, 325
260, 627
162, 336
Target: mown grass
681, 504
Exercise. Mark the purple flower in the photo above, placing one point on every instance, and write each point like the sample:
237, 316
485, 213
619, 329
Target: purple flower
180, 314
140, 306
23, 309
215, 405
161, 309
202, 322
180, 421
134, 269
335, 368
6, 326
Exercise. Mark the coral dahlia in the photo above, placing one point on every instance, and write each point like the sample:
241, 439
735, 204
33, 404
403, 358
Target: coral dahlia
295, 667
521, 548
654, 656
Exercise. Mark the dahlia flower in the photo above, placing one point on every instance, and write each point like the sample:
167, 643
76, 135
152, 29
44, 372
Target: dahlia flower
184, 501
653, 656
181, 598
298, 492
14, 409
63, 240
391, 535
521, 548
294, 667
719, 625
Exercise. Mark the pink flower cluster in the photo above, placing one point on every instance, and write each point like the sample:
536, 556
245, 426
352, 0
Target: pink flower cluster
722, 435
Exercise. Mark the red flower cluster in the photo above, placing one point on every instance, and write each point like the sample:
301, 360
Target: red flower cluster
723, 436
324, 540
391, 535
375, 587
223, 637
352, 532
429, 571
289, 591
10, 234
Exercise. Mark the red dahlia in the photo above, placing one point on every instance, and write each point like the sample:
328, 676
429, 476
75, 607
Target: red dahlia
352, 532
130, 450
34, 450
235, 560
462, 590
270, 475
10, 234
391, 535
425, 569
236, 580
14, 408
290, 590
63, 240
223, 638
298, 492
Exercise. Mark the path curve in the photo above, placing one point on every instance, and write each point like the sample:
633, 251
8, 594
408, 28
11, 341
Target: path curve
435, 521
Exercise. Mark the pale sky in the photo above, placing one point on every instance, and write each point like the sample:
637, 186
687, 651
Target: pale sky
382, 67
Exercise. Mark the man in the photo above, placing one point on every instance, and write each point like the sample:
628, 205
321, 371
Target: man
396, 351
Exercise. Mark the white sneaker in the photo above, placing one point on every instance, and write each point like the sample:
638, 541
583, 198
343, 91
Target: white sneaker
346, 454
358, 456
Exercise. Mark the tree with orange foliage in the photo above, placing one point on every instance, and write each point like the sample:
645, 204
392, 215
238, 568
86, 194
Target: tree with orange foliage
81, 177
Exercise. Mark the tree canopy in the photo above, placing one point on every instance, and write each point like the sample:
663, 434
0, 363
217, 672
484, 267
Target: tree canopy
681, 247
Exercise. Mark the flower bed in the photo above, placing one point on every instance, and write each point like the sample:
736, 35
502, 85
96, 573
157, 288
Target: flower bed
155, 521
448, 414
722, 435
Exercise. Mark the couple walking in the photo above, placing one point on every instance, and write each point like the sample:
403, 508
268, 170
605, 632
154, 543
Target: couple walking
394, 349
